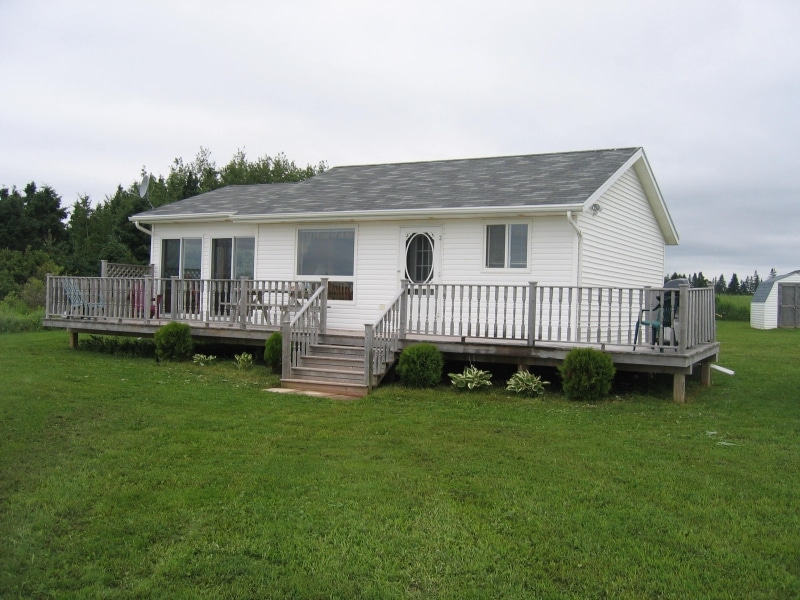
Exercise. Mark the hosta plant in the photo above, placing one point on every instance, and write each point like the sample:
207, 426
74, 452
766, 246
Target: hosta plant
243, 360
203, 359
526, 383
472, 378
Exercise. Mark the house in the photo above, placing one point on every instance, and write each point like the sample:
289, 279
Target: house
512, 259
592, 218
776, 302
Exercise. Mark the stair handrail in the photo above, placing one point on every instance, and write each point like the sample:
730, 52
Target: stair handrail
382, 337
302, 331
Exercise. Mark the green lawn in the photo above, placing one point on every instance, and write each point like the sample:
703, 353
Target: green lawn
123, 478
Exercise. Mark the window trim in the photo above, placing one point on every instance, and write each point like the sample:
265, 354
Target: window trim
506, 268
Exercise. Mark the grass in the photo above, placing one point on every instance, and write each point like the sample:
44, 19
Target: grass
733, 308
123, 478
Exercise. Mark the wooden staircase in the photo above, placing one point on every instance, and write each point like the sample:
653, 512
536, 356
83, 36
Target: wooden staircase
333, 366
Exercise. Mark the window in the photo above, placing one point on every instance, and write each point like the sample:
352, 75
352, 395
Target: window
507, 246
328, 253
232, 258
181, 258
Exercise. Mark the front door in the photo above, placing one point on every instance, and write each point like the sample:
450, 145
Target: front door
420, 256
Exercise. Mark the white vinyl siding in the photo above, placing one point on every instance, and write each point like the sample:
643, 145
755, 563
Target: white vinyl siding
622, 243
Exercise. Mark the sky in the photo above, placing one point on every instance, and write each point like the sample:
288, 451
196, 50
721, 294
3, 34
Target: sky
93, 91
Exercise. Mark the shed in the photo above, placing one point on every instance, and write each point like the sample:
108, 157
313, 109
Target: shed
776, 302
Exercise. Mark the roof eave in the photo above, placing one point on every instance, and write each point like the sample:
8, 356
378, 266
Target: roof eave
395, 214
182, 218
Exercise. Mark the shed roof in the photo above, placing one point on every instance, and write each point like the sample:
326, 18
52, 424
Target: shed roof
765, 287
538, 182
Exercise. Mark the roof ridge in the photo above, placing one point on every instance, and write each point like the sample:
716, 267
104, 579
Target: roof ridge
484, 158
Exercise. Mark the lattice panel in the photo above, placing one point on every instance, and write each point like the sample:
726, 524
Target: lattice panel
123, 270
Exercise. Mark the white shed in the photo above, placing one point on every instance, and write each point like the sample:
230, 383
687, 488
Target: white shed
776, 302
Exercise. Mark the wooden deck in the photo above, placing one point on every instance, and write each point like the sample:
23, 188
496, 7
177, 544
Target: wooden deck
523, 325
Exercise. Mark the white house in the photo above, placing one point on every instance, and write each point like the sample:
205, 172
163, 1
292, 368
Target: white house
591, 218
776, 302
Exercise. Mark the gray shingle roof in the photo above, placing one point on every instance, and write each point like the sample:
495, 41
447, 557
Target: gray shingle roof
539, 180
765, 287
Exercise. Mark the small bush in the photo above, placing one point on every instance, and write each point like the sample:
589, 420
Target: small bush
472, 378
420, 365
273, 352
587, 374
174, 342
526, 383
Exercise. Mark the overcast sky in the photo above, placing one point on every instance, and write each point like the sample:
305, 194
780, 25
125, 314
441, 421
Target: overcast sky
94, 91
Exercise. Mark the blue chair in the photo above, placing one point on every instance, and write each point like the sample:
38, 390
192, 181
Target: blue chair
78, 304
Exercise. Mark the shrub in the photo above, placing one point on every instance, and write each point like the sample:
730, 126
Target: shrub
273, 352
587, 374
526, 383
420, 365
174, 342
472, 378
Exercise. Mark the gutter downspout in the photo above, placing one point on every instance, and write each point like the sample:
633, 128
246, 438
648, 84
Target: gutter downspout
140, 228
573, 221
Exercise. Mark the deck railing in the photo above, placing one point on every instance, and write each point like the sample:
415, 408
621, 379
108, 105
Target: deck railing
243, 302
381, 338
664, 317
302, 330
679, 318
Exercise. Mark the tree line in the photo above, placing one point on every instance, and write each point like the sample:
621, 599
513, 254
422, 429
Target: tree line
733, 286
38, 235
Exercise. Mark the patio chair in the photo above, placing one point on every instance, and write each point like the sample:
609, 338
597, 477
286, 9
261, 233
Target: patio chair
79, 305
661, 318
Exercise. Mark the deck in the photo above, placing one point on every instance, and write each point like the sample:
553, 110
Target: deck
656, 330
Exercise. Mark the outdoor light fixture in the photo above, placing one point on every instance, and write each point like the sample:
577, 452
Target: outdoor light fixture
596, 208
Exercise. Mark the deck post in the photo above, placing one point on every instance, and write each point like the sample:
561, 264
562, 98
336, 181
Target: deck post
73, 338
286, 346
532, 313
403, 309
705, 373
679, 387
683, 316
48, 309
323, 306
369, 341
244, 295
103, 268
173, 304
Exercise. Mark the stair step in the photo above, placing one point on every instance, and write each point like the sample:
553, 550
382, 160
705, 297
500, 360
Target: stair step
319, 374
334, 362
330, 349
326, 387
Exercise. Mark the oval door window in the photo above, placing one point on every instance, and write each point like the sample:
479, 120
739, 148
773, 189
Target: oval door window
419, 258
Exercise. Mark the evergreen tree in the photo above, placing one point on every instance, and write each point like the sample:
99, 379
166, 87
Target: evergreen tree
733, 285
719, 285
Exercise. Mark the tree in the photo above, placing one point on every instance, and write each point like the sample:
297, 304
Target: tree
35, 220
773, 272
719, 285
733, 285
